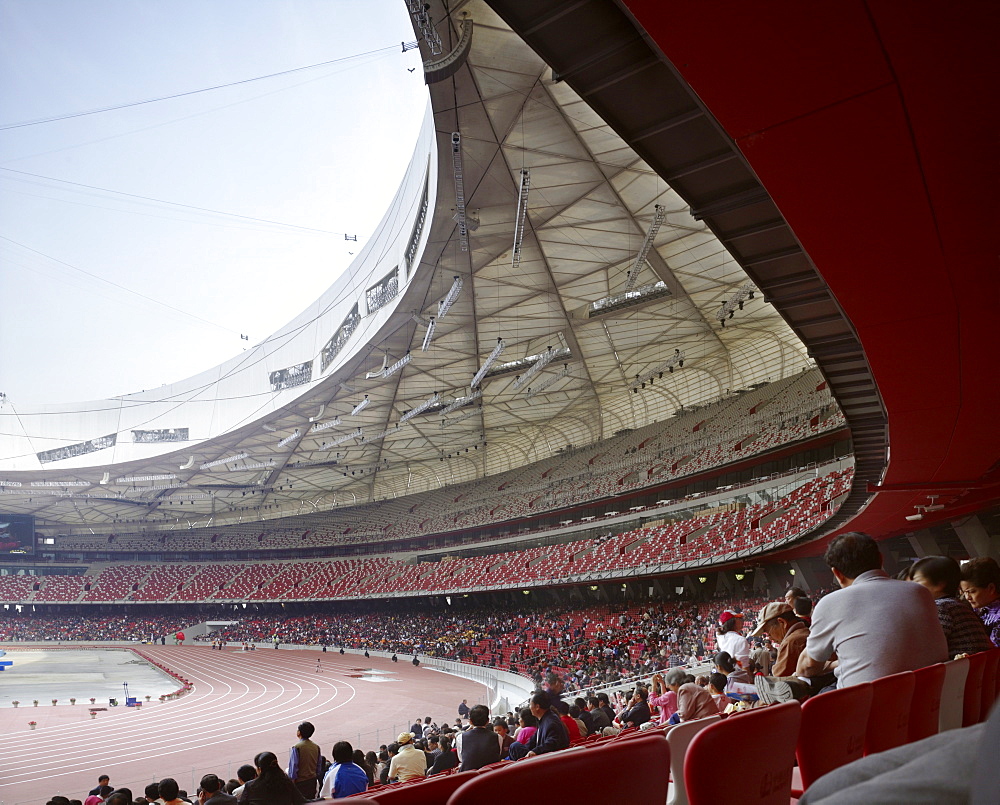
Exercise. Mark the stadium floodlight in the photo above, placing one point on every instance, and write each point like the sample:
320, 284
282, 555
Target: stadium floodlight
456, 164
227, 460
520, 217
253, 465
354, 434
675, 360
540, 363
130, 479
381, 434
290, 439
735, 302
659, 216
538, 388
361, 406
461, 417
428, 335
64, 483
461, 401
450, 297
419, 409
477, 378
391, 370
324, 425
10, 483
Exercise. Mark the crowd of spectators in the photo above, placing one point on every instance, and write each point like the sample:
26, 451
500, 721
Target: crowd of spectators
26, 626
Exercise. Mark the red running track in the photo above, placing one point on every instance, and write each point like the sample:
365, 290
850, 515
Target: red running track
242, 703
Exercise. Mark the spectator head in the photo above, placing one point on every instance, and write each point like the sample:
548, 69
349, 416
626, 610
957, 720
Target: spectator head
675, 678
230, 786
792, 593
580, 702
939, 574
603, 698
555, 682
981, 581
58, 800
404, 738
717, 683
445, 743
574, 711
642, 692
527, 718
427, 720
852, 554
539, 704
724, 662
479, 716
306, 730
392, 749
152, 791
103, 780
774, 619
500, 726
246, 773
168, 789
343, 752
730, 621
211, 783
371, 759
802, 606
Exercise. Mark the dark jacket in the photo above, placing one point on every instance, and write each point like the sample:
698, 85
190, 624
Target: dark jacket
550, 737
480, 747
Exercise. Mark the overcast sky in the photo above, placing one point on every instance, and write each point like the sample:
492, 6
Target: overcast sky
103, 293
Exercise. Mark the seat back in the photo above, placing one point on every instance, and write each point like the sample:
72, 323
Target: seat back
889, 717
833, 730
925, 715
973, 701
953, 694
679, 738
432, 791
989, 686
602, 774
759, 751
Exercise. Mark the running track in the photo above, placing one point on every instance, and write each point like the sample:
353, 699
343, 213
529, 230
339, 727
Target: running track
242, 703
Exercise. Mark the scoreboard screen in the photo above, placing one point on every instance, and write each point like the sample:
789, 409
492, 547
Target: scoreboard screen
17, 533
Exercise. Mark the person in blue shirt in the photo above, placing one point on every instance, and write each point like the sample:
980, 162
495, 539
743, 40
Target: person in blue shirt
345, 778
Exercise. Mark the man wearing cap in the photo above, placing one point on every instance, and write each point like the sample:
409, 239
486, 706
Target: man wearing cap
407, 763
787, 631
728, 638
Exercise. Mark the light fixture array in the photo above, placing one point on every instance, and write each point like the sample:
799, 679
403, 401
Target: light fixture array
450, 297
419, 409
361, 406
456, 164
659, 215
392, 369
131, 479
735, 302
675, 360
354, 434
461, 417
520, 217
538, 388
324, 425
489, 362
540, 363
461, 401
227, 460
429, 334
289, 439
59, 483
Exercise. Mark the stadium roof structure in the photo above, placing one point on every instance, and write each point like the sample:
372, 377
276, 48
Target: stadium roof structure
535, 284
555, 129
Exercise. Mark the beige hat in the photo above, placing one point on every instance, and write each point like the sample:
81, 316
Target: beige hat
770, 611
406, 737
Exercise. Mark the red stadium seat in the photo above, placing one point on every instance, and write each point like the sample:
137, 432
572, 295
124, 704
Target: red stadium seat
430, 791
832, 732
889, 718
925, 714
988, 689
603, 774
972, 704
679, 738
758, 748
953, 694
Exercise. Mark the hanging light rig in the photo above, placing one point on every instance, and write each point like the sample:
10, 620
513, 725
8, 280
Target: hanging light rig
477, 379
520, 217
659, 216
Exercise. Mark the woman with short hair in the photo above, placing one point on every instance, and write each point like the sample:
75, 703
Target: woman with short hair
272, 786
981, 588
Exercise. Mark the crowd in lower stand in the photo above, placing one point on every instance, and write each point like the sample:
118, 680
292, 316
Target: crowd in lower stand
790, 650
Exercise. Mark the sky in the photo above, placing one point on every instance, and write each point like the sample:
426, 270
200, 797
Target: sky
110, 283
